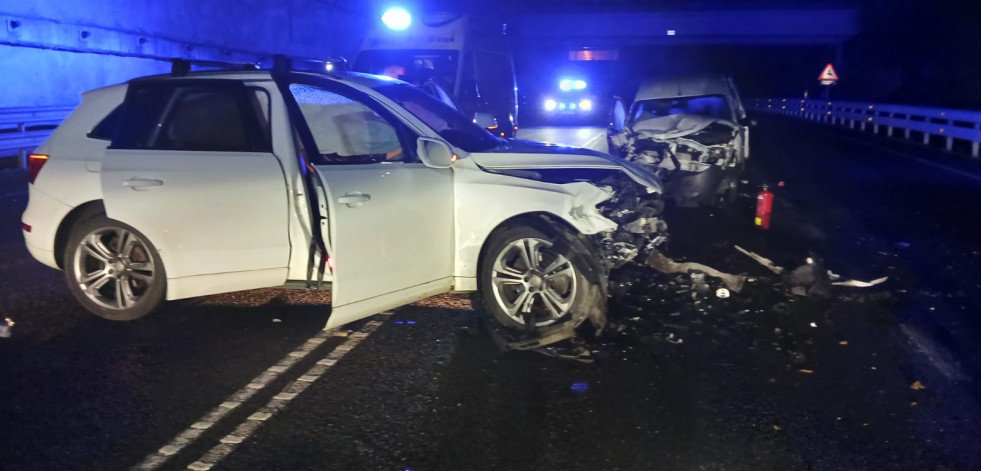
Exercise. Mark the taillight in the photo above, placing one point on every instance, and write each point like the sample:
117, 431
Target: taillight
34, 164
26, 227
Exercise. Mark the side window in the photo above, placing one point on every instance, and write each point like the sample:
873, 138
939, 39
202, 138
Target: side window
107, 127
215, 118
204, 119
346, 131
495, 78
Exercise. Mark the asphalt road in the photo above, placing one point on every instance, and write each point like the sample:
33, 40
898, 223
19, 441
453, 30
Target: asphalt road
877, 378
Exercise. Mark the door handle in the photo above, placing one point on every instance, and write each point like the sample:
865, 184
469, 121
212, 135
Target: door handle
354, 199
139, 183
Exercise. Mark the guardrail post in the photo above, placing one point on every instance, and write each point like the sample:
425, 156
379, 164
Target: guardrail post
974, 144
950, 140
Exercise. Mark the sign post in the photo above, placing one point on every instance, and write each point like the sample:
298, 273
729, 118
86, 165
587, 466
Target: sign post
828, 78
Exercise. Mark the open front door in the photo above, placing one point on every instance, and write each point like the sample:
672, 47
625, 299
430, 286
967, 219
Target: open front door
391, 228
390, 218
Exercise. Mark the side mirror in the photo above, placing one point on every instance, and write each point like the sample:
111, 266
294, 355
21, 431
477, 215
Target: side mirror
618, 116
485, 120
435, 153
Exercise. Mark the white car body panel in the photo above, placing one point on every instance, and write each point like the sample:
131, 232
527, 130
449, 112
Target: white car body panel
394, 243
43, 214
202, 285
227, 215
574, 203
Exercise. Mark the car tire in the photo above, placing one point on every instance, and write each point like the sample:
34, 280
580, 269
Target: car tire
113, 270
562, 284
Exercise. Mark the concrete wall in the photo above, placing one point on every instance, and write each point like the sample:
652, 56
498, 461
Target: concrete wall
50, 51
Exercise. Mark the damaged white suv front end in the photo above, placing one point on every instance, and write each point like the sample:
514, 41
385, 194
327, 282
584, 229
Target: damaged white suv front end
605, 211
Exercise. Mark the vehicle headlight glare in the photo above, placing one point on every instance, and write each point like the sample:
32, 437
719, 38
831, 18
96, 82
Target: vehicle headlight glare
550, 105
586, 104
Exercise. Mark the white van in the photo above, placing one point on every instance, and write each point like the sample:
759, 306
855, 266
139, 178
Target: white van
692, 131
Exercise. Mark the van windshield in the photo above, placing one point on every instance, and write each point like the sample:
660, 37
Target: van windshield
411, 65
448, 122
708, 105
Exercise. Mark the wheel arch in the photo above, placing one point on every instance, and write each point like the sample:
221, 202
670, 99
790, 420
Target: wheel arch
548, 223
78, 214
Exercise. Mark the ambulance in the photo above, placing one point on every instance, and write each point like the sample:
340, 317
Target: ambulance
464, 63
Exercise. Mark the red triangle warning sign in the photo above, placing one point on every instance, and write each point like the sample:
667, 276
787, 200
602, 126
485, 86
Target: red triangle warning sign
828, 74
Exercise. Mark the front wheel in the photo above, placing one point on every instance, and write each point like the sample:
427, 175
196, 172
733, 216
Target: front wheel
113, 270
532, 278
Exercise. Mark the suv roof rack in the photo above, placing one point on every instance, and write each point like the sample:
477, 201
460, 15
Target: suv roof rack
181, 67
280, 63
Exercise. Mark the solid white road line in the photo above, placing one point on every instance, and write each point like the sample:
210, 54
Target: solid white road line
250, 425
906, 156
188, 436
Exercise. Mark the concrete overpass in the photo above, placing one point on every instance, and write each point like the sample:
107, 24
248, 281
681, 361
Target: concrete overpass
769, 27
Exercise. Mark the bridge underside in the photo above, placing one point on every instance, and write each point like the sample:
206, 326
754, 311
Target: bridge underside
765, 27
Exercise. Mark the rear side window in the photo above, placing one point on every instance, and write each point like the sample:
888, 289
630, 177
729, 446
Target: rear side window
107, 127
193, 117
205, 119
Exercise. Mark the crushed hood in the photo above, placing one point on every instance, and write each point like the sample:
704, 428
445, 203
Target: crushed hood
518, 154
675, 125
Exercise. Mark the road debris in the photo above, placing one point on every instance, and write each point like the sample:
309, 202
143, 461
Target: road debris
663, 264
762, 260
804, 370
917, 386
861, 284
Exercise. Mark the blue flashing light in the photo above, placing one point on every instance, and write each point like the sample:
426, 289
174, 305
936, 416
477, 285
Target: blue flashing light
550, 105
397, 18
568, 84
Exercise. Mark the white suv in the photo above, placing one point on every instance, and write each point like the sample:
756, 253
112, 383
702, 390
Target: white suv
182, 185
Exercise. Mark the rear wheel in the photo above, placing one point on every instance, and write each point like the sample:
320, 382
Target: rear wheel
532, 278
113, 270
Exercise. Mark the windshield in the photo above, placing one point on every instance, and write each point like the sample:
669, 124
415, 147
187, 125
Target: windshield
411, 65
708, 105
448, 122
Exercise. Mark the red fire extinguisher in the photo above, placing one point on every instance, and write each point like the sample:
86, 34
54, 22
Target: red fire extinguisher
764, 205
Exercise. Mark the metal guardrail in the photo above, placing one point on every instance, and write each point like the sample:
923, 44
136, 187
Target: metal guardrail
950, 125
23, 129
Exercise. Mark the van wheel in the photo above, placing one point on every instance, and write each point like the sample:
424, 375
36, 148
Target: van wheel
113, 270
532, 278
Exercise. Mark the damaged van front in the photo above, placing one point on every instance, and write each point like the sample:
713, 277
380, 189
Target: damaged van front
688, 131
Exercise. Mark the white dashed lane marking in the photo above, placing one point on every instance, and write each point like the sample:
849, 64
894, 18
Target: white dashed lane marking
228, 443
278, 402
